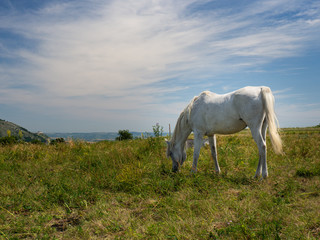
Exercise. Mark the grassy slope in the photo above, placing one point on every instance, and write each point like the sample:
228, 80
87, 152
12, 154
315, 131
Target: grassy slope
16, 130
125, 190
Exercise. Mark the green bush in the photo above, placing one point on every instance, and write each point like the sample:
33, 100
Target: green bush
57, 140
8, 140
124, 135
157, 130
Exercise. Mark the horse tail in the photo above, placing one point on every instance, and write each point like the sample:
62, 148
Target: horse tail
273, 124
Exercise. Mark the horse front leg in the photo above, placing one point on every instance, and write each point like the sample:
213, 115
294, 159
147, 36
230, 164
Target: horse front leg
196, 151
213, 148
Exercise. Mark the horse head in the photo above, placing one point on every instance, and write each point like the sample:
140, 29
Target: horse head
178, 155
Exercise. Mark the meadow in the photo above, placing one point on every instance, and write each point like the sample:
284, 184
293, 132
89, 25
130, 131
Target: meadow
126, 190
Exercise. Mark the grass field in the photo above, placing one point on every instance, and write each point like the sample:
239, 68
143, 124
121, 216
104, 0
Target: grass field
125, 190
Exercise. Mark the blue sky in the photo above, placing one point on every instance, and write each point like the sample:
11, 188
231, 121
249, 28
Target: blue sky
82, 66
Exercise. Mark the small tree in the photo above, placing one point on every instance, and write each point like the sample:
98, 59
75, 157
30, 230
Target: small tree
157, 130
124, 135
156, 142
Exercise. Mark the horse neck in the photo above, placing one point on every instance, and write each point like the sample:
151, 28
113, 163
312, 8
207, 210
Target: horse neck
181, 134
183, 138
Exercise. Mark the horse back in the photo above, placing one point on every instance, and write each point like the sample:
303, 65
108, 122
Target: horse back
227, 113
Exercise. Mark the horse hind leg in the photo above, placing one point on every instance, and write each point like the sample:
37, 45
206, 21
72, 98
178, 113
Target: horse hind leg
213, 148
258, 134
264, 129
264, 148
261, 161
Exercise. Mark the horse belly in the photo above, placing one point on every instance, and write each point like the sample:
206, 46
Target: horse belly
228, 126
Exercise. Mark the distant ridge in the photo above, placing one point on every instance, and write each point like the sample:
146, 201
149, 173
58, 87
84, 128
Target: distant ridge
28, 136
93, 136
14, 129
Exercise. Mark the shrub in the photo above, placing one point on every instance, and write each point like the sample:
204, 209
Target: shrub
8, 140
124, 135
57, 140
157, 130
36, 141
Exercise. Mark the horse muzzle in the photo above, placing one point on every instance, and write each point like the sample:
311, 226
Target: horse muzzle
174, 169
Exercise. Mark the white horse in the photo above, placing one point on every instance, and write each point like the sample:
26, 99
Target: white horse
209, 114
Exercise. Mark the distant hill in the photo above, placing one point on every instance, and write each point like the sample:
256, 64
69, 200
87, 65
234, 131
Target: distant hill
27, 136
94, 136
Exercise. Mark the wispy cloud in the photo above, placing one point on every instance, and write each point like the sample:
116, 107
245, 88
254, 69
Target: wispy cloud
107, 55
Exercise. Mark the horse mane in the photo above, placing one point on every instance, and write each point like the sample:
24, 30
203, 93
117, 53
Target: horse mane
182, 121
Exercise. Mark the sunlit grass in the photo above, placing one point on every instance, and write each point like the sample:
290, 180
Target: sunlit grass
125, 190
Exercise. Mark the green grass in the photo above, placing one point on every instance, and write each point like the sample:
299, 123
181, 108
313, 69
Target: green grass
125, 190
